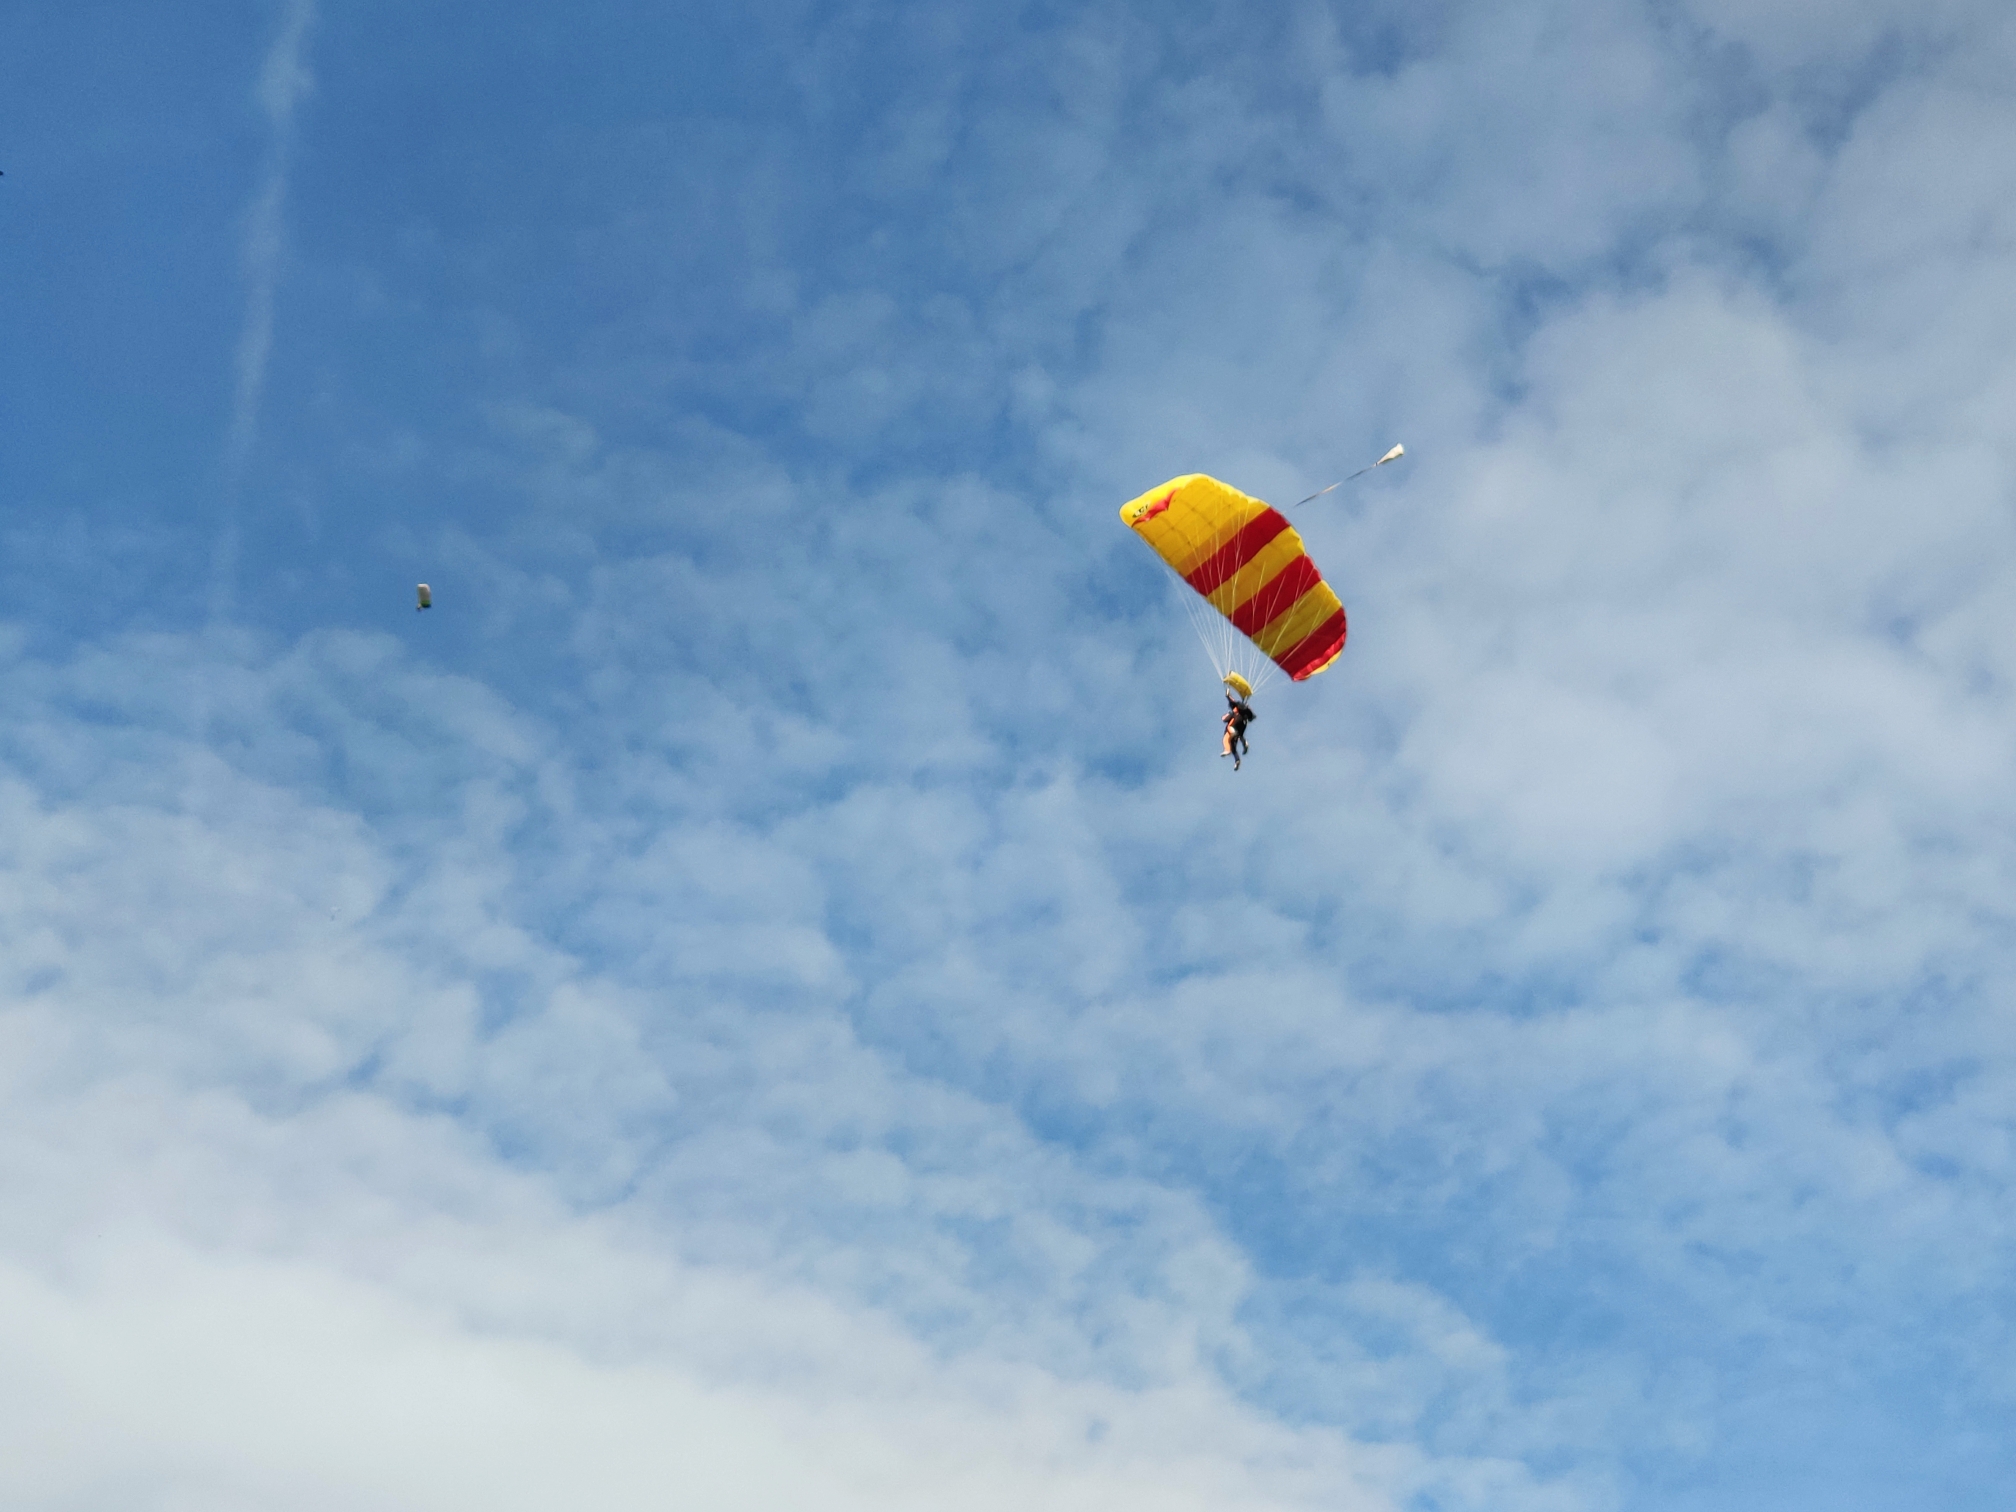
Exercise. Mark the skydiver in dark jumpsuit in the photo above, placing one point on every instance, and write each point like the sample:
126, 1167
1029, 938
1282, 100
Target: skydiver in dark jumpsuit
1237, 716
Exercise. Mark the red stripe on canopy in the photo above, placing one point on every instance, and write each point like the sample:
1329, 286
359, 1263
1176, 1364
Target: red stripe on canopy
1217, 568
1277, 595
1314, 651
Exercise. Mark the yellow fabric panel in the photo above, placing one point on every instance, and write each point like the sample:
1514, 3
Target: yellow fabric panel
1284, 631
1256, 574
1202, 515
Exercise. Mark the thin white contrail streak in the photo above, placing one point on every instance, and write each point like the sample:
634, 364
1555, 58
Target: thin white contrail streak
283, 83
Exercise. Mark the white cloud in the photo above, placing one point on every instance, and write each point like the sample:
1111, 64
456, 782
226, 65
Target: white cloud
285, 1220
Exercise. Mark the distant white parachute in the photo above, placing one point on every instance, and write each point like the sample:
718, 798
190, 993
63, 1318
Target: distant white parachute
426, 598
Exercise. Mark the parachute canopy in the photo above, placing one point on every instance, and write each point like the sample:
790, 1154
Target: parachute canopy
1245, 561
426, 597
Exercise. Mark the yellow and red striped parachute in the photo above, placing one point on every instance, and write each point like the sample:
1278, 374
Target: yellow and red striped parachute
1269, 606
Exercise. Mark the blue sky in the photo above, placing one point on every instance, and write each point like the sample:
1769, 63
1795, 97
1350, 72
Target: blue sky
766, 997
